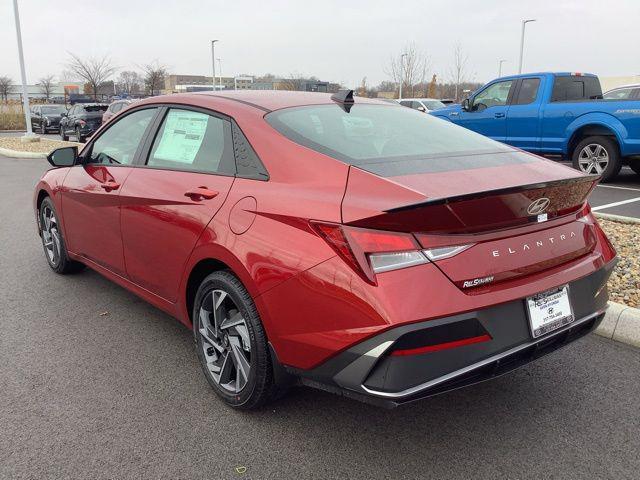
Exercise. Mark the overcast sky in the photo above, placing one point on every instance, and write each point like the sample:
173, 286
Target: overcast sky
339, 41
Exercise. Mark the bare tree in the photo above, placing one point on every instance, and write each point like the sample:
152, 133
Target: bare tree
458, 70
294, 82
154, 74
94, 71
5, 87
46, 85
129, 82
409, 67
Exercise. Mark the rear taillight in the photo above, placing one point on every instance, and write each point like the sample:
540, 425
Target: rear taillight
375, 251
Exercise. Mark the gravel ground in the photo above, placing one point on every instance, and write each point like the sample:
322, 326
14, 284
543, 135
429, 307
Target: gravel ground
624, 284
43, 146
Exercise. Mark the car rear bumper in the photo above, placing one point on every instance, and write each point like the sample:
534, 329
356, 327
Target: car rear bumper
370, 371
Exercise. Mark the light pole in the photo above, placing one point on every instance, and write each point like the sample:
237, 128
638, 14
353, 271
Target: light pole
220, 73
25, 94
213, 62
500, 62
401, 74
524, 23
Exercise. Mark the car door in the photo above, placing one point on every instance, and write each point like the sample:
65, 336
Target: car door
69, 120
167, 202
523, 121
90, 199
487, 113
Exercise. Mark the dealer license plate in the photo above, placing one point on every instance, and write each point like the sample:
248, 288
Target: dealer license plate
549, 311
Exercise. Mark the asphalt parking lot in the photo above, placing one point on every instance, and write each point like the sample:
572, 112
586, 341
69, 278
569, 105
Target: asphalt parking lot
95, 383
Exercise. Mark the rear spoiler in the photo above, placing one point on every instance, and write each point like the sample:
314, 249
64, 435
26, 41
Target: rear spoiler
593, 179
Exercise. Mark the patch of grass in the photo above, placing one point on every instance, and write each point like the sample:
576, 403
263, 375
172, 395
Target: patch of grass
11, 117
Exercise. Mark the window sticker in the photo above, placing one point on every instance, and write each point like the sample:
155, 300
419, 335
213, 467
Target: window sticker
182, 136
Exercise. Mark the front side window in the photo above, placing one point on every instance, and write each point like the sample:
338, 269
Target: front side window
378, 134
119, 143
620, 94
193, 141
493, 96
528, 91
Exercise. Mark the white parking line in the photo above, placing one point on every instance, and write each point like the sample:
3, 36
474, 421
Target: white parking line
619, 188
615, 204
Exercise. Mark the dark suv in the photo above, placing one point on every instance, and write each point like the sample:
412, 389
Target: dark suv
82, 120
46, 117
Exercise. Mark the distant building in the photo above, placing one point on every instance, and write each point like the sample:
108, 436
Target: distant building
35, 91
195, 83
609, 83
304, 85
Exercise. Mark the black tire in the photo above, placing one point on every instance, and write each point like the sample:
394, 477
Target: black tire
59, 261
79, 135
260, 387
635, 166
63, 135
594, 143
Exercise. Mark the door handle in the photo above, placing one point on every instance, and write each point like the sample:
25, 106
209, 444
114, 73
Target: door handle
499, 115
108, 186
200, 193
453, 114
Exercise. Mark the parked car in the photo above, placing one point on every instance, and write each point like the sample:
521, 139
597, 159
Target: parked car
82, 120
422, 104
627, 92
357, 246
46, 117
114, 108
556, 113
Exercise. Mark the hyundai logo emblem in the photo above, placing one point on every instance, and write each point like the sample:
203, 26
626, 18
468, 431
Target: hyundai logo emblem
539, 206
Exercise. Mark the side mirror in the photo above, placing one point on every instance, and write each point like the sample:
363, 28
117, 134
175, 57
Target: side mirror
422, 109
63, 157
63, 114
466, 105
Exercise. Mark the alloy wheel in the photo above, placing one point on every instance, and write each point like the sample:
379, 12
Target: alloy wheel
593, 159
50, 235
225, 341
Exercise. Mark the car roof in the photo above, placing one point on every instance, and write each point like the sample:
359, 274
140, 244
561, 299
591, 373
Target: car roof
420, 99
269, 100
631, 85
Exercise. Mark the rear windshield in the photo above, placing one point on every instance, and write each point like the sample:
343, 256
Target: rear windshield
573, 87
377, 133
95, 108
434, 104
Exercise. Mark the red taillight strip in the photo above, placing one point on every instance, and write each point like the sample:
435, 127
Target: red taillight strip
442, 346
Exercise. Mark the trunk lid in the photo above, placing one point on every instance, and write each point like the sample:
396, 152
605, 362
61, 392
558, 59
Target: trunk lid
499, 210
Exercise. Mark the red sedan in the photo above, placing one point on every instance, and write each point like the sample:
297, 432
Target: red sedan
353, 245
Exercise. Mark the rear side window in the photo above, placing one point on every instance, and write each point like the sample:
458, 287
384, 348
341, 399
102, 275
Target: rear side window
193, 141
573, 87
528, 91
370, 134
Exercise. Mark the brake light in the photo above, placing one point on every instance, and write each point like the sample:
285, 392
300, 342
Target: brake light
371, 251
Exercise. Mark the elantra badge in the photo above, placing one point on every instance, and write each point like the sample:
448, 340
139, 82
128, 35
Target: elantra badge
539, 206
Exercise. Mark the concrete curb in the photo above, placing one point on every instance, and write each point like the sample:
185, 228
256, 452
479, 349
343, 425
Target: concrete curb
622, 324
18, 154
617, 218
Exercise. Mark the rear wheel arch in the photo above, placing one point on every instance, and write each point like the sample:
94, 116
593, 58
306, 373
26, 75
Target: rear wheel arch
590, 130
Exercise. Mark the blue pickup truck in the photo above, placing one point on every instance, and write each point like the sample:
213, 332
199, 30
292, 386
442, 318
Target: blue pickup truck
559, 114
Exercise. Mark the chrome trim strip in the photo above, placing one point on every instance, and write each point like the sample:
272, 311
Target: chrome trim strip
482, 363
